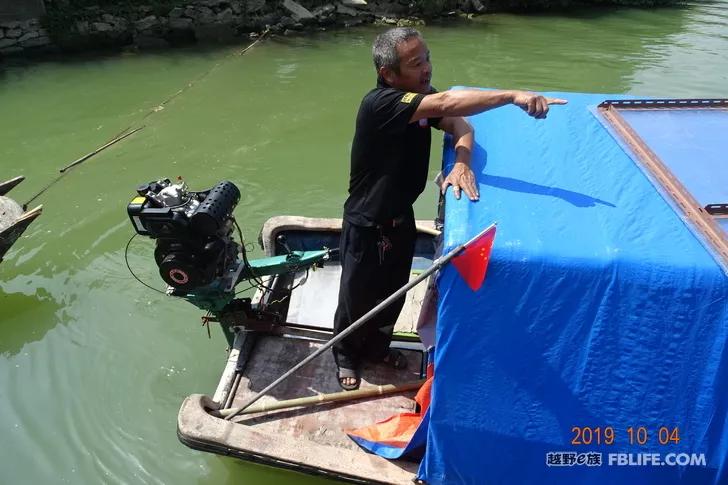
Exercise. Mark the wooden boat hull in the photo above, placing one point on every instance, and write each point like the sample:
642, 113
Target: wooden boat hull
13, 219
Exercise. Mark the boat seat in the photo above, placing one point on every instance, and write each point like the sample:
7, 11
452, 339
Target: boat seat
314, 302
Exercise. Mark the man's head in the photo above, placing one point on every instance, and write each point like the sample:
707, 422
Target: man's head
402, 59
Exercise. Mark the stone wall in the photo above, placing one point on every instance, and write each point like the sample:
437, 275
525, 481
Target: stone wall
20, 9
17, 37
210, 21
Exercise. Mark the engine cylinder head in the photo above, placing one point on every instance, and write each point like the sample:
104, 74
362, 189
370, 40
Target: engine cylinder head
217, 208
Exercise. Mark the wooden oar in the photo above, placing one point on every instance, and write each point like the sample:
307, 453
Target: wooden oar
324, 398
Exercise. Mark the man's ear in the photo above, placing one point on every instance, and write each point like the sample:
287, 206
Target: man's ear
387, 74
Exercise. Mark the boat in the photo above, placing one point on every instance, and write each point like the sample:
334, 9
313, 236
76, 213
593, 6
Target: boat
307, 439
598, 338
14, 219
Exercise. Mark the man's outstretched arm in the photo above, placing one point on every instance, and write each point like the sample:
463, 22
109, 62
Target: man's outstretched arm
467, 102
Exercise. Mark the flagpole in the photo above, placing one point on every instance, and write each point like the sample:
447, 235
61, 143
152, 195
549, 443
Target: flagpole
437, 264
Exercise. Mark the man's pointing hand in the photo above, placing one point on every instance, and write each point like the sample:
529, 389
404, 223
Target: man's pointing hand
535, 104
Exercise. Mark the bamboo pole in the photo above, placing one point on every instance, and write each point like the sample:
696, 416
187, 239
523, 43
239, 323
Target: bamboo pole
324, 398
65, 169
99, 149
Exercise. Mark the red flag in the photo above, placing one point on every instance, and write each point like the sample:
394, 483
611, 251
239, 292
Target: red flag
472, 262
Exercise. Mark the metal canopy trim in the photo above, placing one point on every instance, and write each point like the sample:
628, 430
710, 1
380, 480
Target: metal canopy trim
665, 103
700, 218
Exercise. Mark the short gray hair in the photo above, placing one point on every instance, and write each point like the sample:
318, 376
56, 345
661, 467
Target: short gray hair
385, 45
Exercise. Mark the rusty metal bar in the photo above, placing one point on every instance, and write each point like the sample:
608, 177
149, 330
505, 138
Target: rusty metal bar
701, 219
717, 210
665, 104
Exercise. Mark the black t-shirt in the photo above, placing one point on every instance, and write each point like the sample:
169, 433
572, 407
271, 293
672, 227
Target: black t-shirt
389, 157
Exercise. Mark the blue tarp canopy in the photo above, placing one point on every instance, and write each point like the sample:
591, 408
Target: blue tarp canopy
601, 309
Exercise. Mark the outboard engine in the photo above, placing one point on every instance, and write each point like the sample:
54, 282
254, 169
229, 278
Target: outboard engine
193, 230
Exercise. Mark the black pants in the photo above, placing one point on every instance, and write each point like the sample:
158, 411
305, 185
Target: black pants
366, 280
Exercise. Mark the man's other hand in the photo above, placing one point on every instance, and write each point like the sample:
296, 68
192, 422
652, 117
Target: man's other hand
461, 177
535, 104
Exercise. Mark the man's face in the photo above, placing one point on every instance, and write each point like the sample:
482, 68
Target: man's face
415, 69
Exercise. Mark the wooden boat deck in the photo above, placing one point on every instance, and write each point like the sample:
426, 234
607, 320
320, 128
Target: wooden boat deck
324, 424
311, 439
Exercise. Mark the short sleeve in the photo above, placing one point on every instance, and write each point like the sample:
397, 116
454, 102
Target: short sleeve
434, 122
391, 109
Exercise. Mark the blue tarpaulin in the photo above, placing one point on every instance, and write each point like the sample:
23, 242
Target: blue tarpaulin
692, 143
601, 309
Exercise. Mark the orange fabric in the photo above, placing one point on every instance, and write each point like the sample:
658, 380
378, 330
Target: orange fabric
394, 431
423, 395
398, 430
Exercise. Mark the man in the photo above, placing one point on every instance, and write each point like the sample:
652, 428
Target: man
389, 161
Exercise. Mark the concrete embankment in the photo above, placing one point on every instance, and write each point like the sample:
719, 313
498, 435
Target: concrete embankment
206, 21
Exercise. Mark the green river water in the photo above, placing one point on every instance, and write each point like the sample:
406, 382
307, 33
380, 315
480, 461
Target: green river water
93, 366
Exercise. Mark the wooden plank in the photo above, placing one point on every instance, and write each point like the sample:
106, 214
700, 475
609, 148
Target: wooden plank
407, 320
307, 308
324, 424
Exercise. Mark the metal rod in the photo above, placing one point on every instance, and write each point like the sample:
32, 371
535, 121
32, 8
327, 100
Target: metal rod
233, 390
438, 263
672, 104
326, 398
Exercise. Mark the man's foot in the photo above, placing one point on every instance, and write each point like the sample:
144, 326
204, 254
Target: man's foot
349, 379
395, 359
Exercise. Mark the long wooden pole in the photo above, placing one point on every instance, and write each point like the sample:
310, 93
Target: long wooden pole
99, 149
125, 132
65, 169
325, 398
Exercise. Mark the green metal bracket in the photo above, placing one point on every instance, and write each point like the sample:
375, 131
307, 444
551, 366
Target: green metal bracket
295, 261
215, 297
